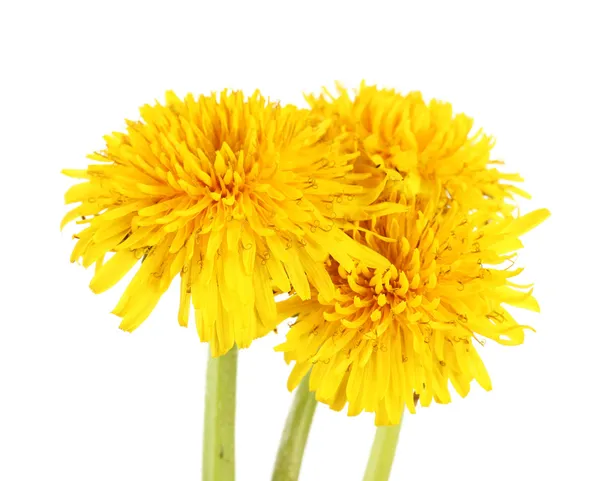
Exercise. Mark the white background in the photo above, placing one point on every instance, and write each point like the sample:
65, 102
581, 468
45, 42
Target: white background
81, 400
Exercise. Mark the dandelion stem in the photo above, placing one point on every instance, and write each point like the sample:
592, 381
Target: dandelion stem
295, 434
219, 418
382, 453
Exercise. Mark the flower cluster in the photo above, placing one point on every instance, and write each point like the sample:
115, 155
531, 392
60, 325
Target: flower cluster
385, 220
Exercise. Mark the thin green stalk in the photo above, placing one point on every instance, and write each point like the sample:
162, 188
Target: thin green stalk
219, 418
295, 434
382, 453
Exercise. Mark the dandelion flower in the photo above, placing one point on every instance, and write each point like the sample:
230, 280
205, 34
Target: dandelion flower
391, 334
417, 147
239, 196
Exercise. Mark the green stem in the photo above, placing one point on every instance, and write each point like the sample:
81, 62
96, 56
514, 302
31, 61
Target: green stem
219, 418
295, 434
382, 453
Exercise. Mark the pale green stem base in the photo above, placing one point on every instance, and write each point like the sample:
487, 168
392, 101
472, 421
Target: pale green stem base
295, 434
219, 418
382, 453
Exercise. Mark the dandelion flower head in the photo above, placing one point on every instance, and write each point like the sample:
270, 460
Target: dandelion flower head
238, 196
393, 334
418, 148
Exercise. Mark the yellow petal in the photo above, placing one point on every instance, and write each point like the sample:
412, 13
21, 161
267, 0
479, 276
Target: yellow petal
113, 271
525, 223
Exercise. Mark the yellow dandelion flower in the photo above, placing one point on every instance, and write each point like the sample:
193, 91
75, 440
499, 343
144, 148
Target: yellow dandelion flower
418, 147
394, 333
239, 196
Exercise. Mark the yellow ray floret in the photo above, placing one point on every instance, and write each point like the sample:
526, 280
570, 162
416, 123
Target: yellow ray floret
238, 196
417, 147
392, 334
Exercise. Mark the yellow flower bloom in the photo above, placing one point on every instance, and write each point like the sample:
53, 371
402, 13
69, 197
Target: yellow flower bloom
418, 148
238, 196
393, 333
